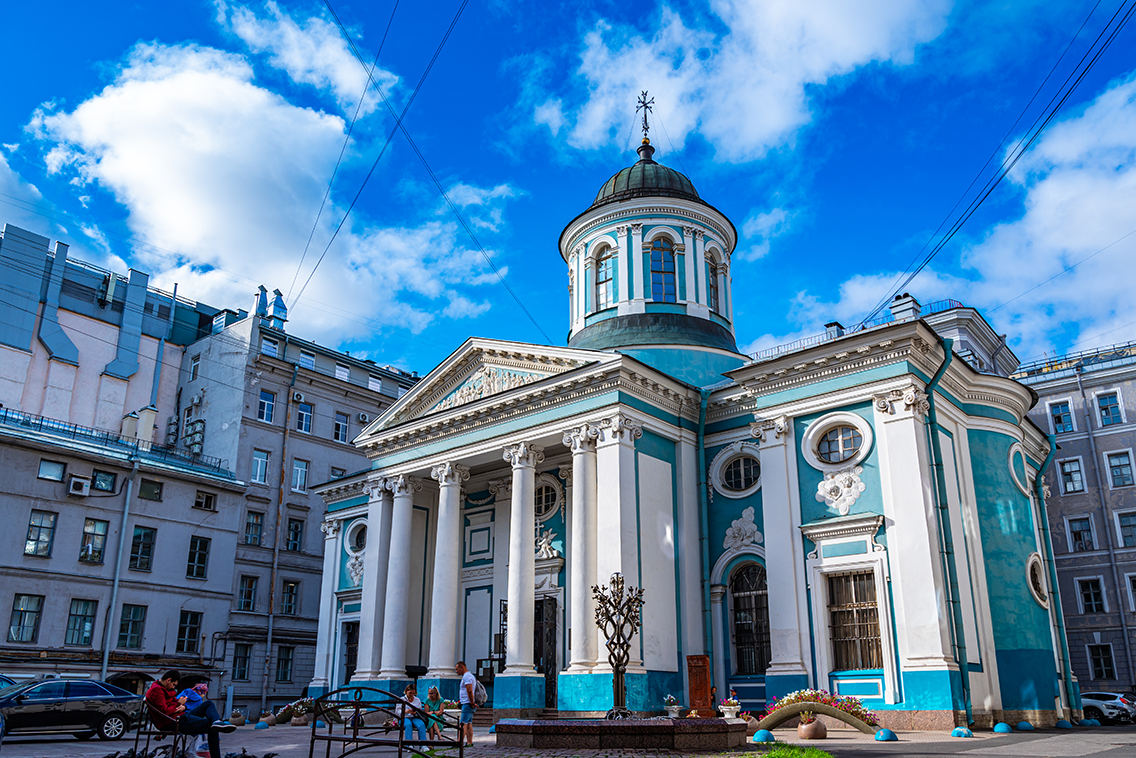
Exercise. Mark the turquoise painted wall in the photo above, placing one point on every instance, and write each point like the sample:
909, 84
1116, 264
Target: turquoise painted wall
344, 579
724, 510
701, 368
345, 504
808, 478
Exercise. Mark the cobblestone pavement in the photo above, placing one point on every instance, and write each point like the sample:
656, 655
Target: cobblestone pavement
292, 742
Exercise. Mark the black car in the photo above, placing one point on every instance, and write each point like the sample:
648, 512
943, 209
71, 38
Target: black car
78, 706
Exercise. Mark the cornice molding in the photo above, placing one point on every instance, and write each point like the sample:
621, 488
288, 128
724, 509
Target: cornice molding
642, 214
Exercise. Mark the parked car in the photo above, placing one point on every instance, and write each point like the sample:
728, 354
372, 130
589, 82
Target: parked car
1107, 706
77, 706
6, 681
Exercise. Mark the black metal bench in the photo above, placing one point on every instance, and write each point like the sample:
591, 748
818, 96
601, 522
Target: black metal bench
147, 732
357, 718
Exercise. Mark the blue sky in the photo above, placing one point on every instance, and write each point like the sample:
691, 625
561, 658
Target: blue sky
195, 141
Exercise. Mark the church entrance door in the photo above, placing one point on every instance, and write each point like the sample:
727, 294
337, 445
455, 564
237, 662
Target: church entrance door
544, 646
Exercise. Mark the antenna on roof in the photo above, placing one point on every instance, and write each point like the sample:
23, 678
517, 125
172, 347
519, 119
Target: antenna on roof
645, 105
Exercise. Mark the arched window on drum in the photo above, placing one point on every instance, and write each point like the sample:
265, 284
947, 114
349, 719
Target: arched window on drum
663, 288
749, 623
605, 286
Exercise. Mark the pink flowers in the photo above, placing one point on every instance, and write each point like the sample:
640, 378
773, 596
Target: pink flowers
850, 705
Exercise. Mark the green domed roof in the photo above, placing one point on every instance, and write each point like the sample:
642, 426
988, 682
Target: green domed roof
646, 179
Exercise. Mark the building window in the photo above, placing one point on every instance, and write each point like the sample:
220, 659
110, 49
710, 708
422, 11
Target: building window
342, 373
242, 654
266, 406
1062, 418
148, 489
284, 655
854, 620
206, 501
662, 272
81, 622
1109, 409
142, 548
1071, 477
24, 626
189, 631
1127, 529
295, 541
304, 417
544, 500
132, 626
712, 287
1120, 469
198, 562
289, 597
41, 533
270, 347
400, 391
254, 526
187, 419
246, 599
299, 475
194, 365
103, 481
260, 466
1092, 597
52, 470
605, 285
338, 473
1100, 658
839, 444
750, 620
1081, 530
741, 473
342, 427
93, 546
307, 360
374, 384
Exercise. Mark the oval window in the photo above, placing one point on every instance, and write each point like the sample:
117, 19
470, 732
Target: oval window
359, 539
839, 444
545, 500
741, 473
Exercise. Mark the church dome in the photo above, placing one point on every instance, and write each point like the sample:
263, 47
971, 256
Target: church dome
646, 178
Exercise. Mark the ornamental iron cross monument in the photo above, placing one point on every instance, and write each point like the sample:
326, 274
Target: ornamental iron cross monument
618, 615
646, 106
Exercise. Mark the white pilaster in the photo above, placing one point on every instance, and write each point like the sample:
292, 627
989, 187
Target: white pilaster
623, 268
689, 257
635, 251
376, 562
523, 457
325, 633
726, 289
447, 565
582, 563
717, 597
703, 296
398, 578
503, 490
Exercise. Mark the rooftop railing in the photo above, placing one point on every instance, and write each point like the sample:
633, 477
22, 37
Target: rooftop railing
1066, 365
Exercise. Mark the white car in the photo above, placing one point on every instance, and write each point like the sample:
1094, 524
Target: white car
1107, 706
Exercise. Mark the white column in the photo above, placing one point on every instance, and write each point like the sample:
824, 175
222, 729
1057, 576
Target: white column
523, 457
503, 490
582, 442
398, 578
717, 596
447, 566
376, 558
325, 632
635, 251
689, 256
623, 266
726, 288
703, 296
617, 537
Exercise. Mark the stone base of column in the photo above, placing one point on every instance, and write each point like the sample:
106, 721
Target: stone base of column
587, 695
447, 686
518, 696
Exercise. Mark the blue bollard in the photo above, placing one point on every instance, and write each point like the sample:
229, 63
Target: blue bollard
1063, 724
961, 731
321, 725
1024, 726
1003, 728
260, 725
763, 735
886, 735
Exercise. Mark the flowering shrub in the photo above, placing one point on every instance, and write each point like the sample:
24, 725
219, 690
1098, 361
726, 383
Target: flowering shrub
808, 717
850, 705
729, 702
451, 705
670, 700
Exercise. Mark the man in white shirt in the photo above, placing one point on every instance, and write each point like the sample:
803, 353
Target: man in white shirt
466, 690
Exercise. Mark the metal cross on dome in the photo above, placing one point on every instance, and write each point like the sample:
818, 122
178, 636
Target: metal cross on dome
645, 105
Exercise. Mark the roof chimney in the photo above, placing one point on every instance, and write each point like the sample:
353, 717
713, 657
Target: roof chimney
905, 307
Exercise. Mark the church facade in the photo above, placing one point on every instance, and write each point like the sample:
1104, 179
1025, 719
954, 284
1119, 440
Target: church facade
858, 512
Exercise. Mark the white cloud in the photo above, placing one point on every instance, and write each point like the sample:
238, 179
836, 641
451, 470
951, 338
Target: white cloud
489, 210
743, 90
758, 231
18, 196
192, 148
311, 52
551, 114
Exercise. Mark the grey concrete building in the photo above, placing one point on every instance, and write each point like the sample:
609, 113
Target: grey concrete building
1088, 401
284, 411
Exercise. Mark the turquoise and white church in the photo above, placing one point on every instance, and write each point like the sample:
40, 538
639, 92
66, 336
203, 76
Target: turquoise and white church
859, 512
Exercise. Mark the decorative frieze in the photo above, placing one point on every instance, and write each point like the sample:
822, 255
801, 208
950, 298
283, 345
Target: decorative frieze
913, 398
743, 532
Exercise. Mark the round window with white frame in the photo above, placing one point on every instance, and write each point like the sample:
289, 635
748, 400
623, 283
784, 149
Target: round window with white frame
548, 497
735, 471
837, 441
355, 540
1035, 578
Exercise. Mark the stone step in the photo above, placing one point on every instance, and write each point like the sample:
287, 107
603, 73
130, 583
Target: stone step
484, 717
549, 713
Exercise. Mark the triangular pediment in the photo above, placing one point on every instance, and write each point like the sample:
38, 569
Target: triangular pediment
481, 369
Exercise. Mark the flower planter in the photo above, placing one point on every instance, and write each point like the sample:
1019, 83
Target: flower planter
751, 726
297, 721
814, 730
270, 720
673, 711
730, 711
237, 720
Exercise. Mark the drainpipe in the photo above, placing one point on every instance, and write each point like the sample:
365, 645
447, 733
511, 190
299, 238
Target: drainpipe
161, 350
276, 535
1107, 523
704, 529
1051, 570
117, 572
946, 546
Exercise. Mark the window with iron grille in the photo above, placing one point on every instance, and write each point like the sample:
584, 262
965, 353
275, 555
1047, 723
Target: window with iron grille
41, 534
132, 626
254, 527
246, 599
1120, 468
350, 649
142, 548
295, 541
1062, 418
81, 622
750, 628
24, 624
342, 427
198, 562
206, 501
93, 546
1081, 530
1100, 658
663, 272
289, 597
242, 654
1092, 597
854, 621
1072, 479
266, 407
284, 655
1127, 529
1109, 409
605, 285
304, 417
189, 631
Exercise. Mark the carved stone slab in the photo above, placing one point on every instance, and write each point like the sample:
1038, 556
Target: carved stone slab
698, 670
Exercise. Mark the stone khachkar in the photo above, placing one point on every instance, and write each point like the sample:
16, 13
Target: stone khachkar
618, 615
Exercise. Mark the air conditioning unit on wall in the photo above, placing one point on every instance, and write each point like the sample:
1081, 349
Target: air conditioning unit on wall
79, 485
364, 418
298, 397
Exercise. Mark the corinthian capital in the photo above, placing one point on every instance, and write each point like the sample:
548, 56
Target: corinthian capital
619, 428
403, 484
449, 473
501, 488
330, 528
760, 429
581, 438
523, 454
